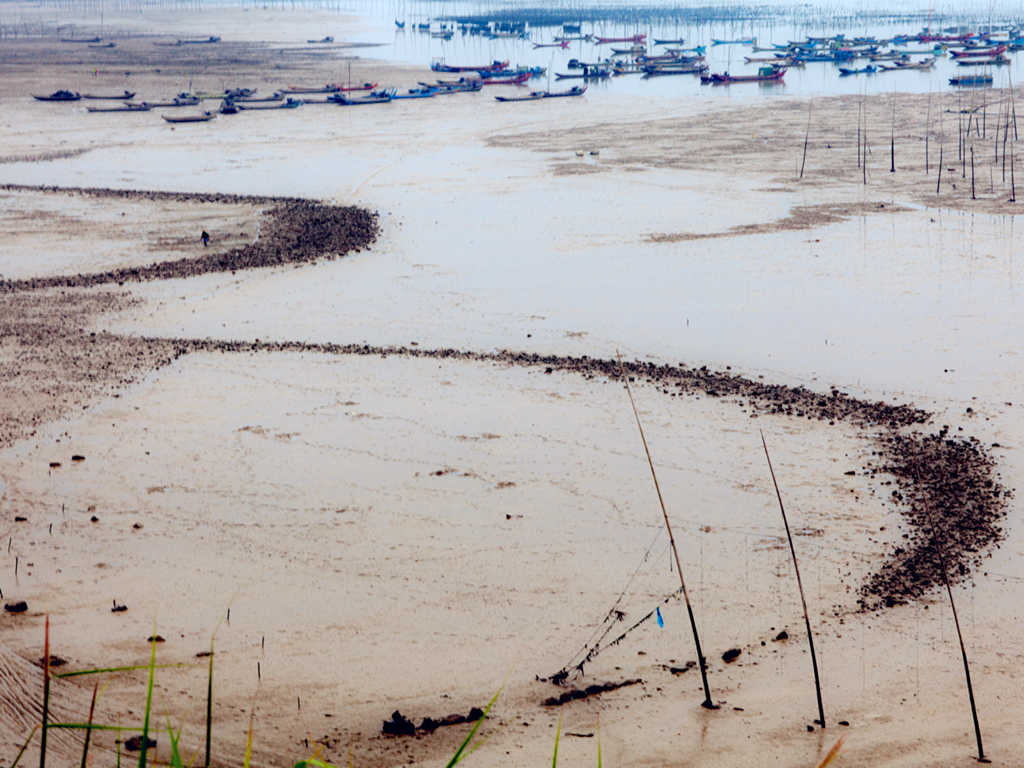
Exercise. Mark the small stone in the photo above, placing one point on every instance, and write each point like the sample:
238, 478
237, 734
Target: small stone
19, 607
134, 744
731, 655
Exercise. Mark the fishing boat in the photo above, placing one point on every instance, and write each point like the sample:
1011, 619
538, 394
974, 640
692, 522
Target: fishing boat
328, 88
288, 103
200, 41
446, 89
275, 96
205, 117
688, 69
494, 66
557, 44
677, 41
81, 39
531, 96
121, 108
513, 80
870, 69
423, 92
742, 41
967, 53
324, 39
572, 28
376, 97
764, 75
61, 95
399, 24
576, 90
589, 72
633, 39
922, 64
993, 61
971, 80
123, 96
228, 107
181, 100
101, 45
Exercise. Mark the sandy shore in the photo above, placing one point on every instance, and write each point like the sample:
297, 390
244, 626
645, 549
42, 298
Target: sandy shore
376, 522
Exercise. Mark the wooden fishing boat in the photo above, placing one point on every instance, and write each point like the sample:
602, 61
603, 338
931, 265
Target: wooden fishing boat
557, 44
677, 41
741, 41
764, 75
289, 103
968, 53
423, 92
101, 45
345, 101
275, 96
971, 80
124, 96
228, 107
633, 50
121, 108
399, 24
205, 117
200, 41
324, 39
514, 80
494, 66
995, 61
633, 39
81, 39
689, 69
870, 69
576, 90
531, 96
61, 95
181, 100
328, 88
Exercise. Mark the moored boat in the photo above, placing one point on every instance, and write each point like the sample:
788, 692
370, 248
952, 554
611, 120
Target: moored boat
143, 107
124, 96
61, 95
203, 118
576, 90
764, 75
531, 96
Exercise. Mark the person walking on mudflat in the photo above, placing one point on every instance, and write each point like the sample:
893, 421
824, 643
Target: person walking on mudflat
205, 237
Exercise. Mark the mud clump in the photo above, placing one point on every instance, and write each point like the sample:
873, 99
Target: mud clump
576, 694
400, 725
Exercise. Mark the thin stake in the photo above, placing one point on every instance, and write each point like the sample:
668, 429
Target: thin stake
807, 134
88, 731
967, 674
46, 694
799, 584
972, 174
860, 109
892, 138
701, 661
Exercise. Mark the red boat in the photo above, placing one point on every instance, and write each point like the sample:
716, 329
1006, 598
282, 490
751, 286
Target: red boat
556, 44
363, 87
633, 39
519, 79
494, 66
969, 52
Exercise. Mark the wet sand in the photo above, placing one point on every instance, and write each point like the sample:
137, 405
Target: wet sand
397, 522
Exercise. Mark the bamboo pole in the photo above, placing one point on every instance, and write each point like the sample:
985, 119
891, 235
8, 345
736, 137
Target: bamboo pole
701, 661
800, 586
967, 675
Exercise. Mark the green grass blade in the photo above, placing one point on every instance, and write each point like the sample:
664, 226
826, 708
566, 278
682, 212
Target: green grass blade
94, 727
599, 742
101, 670
248, 738
24, 746
175, 761
149, 701
462, 747
88, 731
46, 693
558, 732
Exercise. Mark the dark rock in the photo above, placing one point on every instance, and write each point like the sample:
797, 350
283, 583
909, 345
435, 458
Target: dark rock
19, 607
134, 744
398, 725
475, 713
20, 519
731, 655
155, 639
78, 457
783, 635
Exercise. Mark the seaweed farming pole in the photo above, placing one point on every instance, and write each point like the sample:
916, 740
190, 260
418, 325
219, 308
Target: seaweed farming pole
701, 663
800, 586
807, 134
967, 674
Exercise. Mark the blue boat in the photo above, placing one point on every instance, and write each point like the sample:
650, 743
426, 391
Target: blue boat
423, 92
